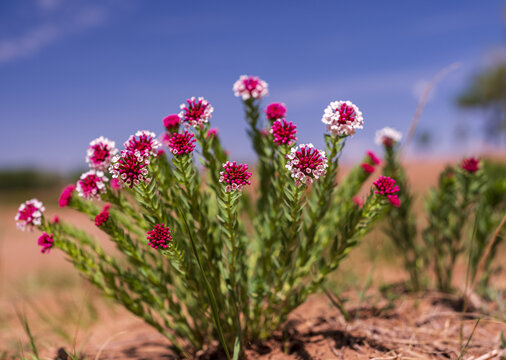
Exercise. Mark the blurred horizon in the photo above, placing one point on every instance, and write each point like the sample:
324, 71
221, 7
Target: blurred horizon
72, 71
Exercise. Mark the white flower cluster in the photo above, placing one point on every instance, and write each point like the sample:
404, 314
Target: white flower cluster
91, 184
196, 112
342, 118
29, 214
100, 153
387, 136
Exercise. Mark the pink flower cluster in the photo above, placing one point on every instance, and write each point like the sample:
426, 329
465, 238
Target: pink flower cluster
143, 142
46, 241
368, 168
386, 186
372, 160
275, 111
103, 216
130, 168
283, 132
159, 237
342, 118
235, 176
100, 153
91, 185
171, 122
471, 164
306, 163
66, 195
181, 143
29, 215
250, 87
196, 112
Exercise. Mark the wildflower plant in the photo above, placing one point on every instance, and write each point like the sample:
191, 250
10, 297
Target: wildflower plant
203, 260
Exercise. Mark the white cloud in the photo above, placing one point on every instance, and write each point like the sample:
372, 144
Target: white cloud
42, 35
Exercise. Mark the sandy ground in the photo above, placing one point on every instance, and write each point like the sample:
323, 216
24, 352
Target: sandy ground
64, 311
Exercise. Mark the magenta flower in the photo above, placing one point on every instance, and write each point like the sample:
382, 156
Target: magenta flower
56, 219
342, 118
283, 132
235, 176
369, 169
212, 132
159, 237
171, 122
306, 164
130, 168
115, 184
103, 216
29, 215
375, 160
66, 195
386, 186
275, 111
100, 153
181, 143
358, 201
471, 164
144, 142
91, 185
250, 87
46, 241
196, 112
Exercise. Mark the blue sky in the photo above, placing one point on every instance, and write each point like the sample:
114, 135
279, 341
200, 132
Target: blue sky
73, 70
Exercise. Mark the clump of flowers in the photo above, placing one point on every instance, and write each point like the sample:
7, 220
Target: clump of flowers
374, 159
386, 186
29, 215
235, 176
196, 112
213, 132
144, 142
250, 87
91, 185
66, 195
171, 122
181, 143
471, 164
275, 111
100, 153
368, 168
283, 132
159, 237
46, 241
306, 163
342, 118
130, 168
103, 216
388, 137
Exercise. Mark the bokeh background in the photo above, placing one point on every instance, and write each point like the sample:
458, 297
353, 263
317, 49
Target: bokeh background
74, 70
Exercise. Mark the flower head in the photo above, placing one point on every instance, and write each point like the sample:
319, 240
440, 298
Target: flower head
171, 122
181, 143
235, 176
159, 237
66, 195
283, 132
342, 118
130, 168
250, 87
212, 132
115, 184
46, 241
386, 186
103, 216
29, 214
471, 164
100, 153
275, 111
91, 184
56, 219
144, 142
358, 201
388, 137
369, 169
306, 163
196, 112
374, 159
